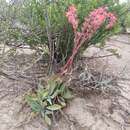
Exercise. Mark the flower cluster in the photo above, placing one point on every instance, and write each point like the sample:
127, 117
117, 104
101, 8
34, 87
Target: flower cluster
96, 19
111, 20
71, 15
90, 26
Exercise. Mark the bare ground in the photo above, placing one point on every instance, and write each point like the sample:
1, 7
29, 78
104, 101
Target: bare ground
91, 111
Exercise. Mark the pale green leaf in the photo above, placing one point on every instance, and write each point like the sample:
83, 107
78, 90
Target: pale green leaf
49, 101
36, 107
62, 101
45, 94
52, 86
44, 103
54, 94
48, 112
47, 120
54, 107
63, 104
33, 103
42, 94
67, 94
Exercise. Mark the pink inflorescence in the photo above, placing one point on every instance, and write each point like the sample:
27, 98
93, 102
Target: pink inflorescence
71, 15
111, 20
90, 26
96, 19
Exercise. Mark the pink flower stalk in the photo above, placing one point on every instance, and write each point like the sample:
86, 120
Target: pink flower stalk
71, 15
90, 26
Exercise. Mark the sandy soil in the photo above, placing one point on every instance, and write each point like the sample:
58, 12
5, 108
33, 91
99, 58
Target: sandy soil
90, 112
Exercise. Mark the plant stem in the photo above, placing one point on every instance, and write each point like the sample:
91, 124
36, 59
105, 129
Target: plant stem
51, 44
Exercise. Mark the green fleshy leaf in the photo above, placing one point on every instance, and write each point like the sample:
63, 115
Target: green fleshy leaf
33, 103
35, 106
45, 94
42, 94
49, 100
54, 94
63, 104
62, 101
54, 107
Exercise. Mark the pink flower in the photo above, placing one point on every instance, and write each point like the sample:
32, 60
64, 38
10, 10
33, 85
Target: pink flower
73, 9
111, 20
91, 24
96, 19
71, 15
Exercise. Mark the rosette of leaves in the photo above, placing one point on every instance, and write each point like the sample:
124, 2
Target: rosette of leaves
46, 101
